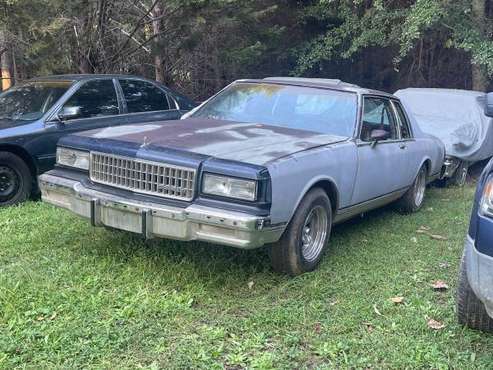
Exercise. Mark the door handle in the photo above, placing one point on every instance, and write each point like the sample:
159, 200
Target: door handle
402, 146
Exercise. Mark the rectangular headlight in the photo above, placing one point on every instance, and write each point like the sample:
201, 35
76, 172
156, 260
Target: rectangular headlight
72, 158
486, 206
229, 187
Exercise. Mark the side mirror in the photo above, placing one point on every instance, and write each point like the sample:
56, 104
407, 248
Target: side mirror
378, 135
68, 113
488, 108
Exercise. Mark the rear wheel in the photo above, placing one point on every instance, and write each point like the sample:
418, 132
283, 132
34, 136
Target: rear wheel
15, 180
459, 177
414, 197
470, 310
303, 243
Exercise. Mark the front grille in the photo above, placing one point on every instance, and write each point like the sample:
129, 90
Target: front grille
143, 176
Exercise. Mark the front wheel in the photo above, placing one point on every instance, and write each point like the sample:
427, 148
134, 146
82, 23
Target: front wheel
15, 180
470, 310
459, 178
304, 241
414, 197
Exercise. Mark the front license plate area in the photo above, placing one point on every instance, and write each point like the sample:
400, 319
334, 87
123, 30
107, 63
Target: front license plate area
117, 219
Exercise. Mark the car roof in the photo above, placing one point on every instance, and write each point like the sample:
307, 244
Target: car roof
324, 83
82, 77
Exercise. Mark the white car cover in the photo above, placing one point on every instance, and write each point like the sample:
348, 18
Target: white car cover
454, 116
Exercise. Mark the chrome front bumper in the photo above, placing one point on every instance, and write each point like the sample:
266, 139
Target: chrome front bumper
480, 274
156, 220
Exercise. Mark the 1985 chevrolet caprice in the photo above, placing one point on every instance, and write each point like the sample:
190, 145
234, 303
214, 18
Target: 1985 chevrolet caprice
275, 161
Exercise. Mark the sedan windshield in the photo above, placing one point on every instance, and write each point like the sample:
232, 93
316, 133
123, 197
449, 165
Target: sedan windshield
30, 101
302, 108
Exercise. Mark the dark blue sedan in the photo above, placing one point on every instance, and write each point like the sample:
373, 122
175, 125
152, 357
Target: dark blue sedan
35, 114
475, 292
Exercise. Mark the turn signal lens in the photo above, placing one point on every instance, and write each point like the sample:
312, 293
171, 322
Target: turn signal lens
486, 206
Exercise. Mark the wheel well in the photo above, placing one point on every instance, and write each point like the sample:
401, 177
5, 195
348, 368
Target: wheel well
331, 190
427, 164
24, 155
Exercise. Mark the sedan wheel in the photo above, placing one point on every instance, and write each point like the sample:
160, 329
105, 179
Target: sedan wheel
15, 180
305, 239
413, 199
9, 183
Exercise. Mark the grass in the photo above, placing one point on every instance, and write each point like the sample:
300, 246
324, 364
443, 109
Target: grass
73, 296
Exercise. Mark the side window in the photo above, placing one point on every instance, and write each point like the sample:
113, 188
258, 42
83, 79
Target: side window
378, 115
143, 96
403, 121
94, 99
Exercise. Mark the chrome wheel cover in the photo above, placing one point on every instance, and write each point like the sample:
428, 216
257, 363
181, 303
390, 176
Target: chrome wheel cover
314, 233
420, 187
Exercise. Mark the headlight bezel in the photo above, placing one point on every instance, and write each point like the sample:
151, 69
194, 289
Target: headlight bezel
232, 180
73, 158
486, 203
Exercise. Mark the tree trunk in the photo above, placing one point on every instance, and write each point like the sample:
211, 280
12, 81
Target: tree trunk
6, 62
156, 29
479, 76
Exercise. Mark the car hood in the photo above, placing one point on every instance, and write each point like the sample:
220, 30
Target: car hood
246, 142
6, 123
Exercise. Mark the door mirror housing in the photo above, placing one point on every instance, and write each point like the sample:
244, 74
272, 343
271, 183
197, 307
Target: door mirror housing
67, 113
488, 108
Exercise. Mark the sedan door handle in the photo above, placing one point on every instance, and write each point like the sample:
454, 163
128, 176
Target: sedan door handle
402, 146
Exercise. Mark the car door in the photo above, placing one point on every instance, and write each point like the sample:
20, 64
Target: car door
145, 102
93, 105
381, 165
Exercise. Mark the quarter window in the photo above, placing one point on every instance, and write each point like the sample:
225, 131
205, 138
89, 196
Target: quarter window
378, 115
95, 99
143, 96
403, 122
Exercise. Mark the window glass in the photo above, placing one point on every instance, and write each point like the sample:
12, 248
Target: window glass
378, 115
95, 99
143, 96
295, 107
403, 122
30, 101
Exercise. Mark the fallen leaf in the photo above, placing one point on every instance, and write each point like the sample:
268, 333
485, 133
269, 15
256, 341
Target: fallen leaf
435, 325
333, 303
397, 300
424, 228
376, 310
439, 285
317, 327
250, 284
438, 237
40, 318
414, 239
369, 326
52, 317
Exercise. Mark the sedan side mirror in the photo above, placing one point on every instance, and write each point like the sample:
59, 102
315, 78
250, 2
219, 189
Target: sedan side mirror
488, 108
378, 135
68, 113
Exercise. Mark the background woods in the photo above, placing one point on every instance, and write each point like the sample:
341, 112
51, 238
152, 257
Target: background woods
198, 46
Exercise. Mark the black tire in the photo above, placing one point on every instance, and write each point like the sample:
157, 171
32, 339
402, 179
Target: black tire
459, 178
292, 254
470, 310
413, 199
15, 180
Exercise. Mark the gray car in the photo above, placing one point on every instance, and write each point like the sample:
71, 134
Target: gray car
264, 162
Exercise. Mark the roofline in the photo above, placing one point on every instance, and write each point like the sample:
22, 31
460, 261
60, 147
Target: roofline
343, 87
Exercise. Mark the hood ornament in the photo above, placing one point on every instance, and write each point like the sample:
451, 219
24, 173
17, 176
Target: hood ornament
145, 144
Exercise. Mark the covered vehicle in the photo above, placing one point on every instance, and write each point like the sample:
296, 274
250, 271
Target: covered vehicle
38, 112
458, 118
275, 161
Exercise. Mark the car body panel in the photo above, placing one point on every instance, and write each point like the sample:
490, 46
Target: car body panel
479, 247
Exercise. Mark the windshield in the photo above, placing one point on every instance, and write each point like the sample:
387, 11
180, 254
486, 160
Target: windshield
302, 108
30, 101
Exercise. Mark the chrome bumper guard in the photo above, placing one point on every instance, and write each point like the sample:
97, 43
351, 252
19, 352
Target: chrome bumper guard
156, 220
480, 274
